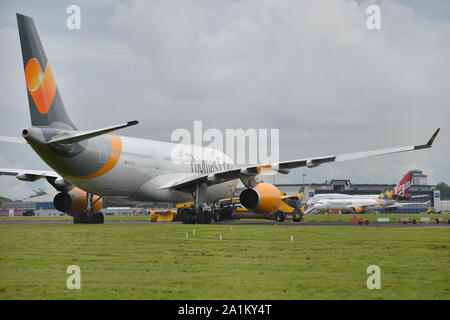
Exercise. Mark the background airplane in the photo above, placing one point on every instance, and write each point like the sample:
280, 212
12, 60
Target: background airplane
389, 200
89, 165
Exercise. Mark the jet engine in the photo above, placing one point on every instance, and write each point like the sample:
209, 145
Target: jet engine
321, 207
357, 209
75, 201
264, 198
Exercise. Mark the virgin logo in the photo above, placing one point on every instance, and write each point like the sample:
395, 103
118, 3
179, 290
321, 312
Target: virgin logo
402, 188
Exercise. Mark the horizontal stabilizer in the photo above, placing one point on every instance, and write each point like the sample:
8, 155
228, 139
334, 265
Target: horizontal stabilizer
83, 135
12, 139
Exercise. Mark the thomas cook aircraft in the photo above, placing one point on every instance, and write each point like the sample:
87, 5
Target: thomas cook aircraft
90, 165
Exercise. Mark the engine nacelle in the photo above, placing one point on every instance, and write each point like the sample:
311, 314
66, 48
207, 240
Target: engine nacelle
75, 201
321, 207
357, 209
264, 198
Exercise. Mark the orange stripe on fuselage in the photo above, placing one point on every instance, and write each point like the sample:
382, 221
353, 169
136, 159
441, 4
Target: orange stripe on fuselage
116, 150
380, 202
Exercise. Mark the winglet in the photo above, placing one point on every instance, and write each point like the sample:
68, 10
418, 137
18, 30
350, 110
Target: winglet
429, 143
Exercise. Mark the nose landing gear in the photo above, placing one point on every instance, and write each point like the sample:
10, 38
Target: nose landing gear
89, 217
96, 218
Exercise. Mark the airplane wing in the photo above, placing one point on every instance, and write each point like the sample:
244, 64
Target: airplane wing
28, 175
420, 196
284, 166
406, 204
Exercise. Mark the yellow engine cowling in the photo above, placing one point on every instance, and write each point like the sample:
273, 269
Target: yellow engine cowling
75, 201
357, 209
264, 198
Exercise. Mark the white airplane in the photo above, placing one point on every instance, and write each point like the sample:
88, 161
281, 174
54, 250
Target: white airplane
89, 165
389, 200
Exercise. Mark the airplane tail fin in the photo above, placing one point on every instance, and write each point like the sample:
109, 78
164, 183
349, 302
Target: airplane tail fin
46, 106
387, 193
402, 188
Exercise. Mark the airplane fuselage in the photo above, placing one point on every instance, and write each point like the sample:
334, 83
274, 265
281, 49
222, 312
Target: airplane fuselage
111, 165
350, 204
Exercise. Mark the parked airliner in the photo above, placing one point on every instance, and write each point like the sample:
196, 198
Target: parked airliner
389, 200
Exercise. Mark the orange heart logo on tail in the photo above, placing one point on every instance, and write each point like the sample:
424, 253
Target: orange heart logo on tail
41, 85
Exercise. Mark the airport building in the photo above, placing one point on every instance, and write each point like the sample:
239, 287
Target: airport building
38, 205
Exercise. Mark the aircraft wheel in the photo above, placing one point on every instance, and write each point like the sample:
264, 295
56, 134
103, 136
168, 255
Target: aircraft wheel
192, 217
185, 215
207, 217
100, 218
280, 216
82, 218
217, 216
199, 218
91, 218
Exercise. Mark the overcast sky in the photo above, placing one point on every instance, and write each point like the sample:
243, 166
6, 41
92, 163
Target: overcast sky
311, 69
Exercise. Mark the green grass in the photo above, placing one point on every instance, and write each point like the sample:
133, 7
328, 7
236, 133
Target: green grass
68, 218
372, 217
308, 218
155, 261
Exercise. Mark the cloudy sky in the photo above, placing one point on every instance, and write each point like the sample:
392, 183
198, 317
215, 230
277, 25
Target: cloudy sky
311, 69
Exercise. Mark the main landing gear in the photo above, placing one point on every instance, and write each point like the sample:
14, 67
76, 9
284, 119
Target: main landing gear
89, 217
200, 212
196, 215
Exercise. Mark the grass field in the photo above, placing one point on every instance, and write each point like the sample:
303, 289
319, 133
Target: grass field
156, 261
308, 218
372, 217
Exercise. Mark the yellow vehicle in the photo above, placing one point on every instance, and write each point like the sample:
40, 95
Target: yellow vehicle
290, 206
288, 209
229, 201
184, 204
162, 215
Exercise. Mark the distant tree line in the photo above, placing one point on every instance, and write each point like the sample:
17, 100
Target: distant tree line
444, 189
